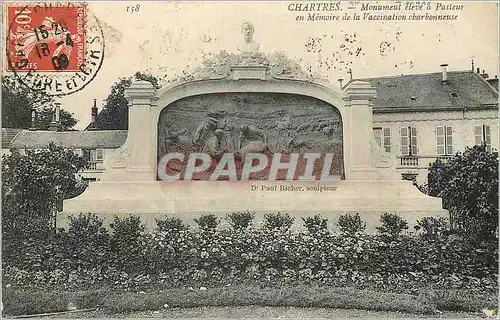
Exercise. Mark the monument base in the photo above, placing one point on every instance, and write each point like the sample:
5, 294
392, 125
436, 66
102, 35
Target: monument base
153, 200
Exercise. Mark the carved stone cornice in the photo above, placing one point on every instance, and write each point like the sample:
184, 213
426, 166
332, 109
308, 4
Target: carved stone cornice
360, 90
141, 92
231, 66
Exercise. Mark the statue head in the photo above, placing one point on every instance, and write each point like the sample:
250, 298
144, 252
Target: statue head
219, 133
247, 29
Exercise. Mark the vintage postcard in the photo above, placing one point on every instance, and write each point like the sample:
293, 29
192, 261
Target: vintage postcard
238, 158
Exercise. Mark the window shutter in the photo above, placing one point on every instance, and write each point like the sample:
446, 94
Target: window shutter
449, 140
387, 139
440, 140
487, 137
377, 133
478, 135
404, 142
414, 146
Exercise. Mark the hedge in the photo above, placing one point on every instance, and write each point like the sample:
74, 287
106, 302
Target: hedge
129, 256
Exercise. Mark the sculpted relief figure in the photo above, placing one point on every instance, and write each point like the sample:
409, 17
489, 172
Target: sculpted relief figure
248, 46
210, 136
171, 137
251, 140
283, 128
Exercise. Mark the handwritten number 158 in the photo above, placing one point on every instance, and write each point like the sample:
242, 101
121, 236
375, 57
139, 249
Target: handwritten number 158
133, 9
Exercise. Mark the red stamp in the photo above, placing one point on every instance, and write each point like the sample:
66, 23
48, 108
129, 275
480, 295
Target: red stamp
45, 38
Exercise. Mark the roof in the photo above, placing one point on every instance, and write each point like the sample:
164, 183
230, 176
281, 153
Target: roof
427, 91
7, 135
105, 139
493, 83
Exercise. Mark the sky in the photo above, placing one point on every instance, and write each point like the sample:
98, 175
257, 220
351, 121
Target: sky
169, 36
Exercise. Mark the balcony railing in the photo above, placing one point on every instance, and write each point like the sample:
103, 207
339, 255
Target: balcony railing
409, 161
94, 166
419, 161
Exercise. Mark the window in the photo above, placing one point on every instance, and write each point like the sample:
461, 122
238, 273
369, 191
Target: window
482, 135
99, 155
444, 140
383, 137
409, 141
93, 155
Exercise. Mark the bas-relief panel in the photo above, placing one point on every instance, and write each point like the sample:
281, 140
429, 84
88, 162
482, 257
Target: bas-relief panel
242, 123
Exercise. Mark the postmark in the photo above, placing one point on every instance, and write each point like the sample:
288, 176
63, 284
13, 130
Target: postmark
55, 48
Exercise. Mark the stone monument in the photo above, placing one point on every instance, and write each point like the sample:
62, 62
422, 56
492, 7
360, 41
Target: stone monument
255, 104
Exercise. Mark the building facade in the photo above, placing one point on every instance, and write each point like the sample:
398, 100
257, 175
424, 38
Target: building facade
424, 117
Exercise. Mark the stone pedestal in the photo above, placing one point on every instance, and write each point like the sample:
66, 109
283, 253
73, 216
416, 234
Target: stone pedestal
188, 200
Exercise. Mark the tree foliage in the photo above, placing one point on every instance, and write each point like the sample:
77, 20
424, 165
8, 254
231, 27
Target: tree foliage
18, 101
114, 114
468, 185
33, 184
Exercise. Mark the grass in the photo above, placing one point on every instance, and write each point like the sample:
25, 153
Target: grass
18, 302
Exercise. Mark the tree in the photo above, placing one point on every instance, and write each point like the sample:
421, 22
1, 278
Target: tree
19, 100
114, 114
32, 186
468, 185
44, 117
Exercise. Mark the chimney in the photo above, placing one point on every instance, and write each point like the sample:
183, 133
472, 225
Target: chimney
55, 125
350, 73
484, 75
33, 119
57, 112
93, 114
444, 73
340, 81
478, 71
472, 64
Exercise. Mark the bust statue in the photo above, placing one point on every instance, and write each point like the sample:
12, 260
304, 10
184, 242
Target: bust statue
248, 46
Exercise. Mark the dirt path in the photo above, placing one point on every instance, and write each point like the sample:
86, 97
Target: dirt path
268, 312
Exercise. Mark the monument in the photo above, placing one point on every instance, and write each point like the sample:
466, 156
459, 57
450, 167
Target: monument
311, 149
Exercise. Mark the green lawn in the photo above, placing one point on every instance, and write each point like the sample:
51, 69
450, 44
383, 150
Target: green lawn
267, 312
300, 299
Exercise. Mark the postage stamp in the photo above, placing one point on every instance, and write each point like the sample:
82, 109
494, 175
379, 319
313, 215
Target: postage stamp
56, 48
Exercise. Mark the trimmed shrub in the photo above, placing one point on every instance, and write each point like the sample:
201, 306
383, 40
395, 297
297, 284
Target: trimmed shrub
351, 224
433, 227
277, 220
170, 224
392, 225
240, 220
126, 229
315, 224
127, 243
89, 241
207, 222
